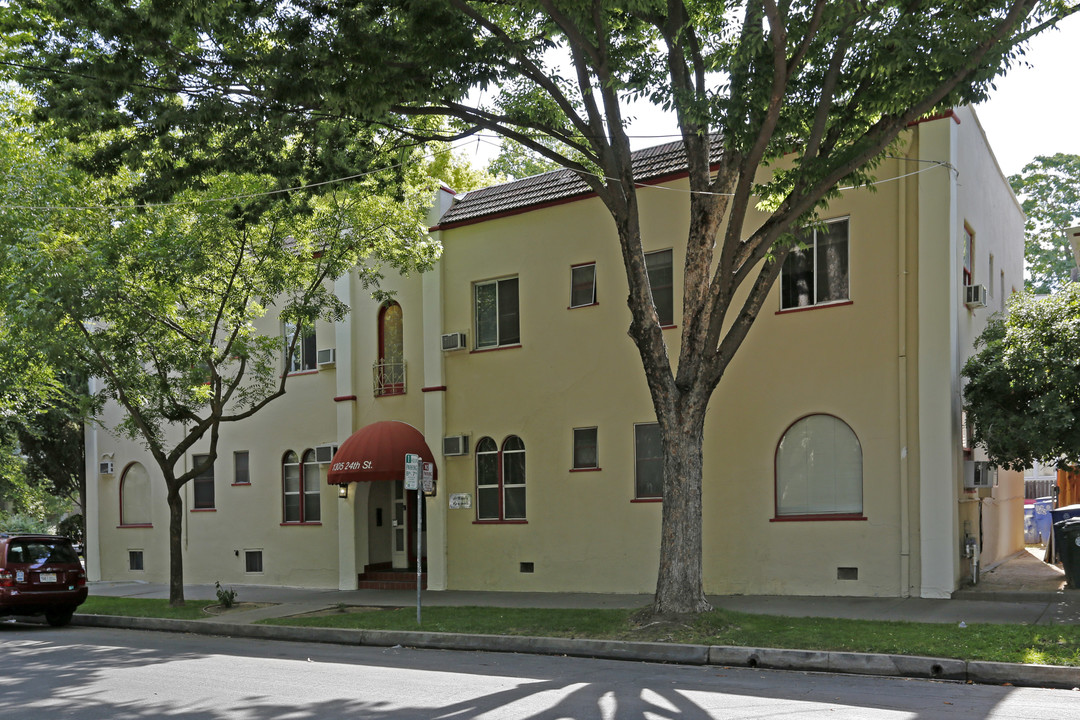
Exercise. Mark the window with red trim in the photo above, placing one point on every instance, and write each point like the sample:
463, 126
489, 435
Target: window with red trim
500, 479
390, 367
816, 270
585, 453
583, 285
648, 462
819, 469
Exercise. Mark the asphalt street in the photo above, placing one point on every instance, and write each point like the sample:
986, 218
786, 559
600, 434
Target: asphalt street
91, 673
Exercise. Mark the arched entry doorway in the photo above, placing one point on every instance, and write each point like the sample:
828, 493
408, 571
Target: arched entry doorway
376, 454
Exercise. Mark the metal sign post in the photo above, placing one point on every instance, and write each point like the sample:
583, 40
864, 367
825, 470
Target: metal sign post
412, 482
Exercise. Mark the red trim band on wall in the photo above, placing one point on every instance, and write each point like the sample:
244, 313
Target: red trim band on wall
345, 398
434, 388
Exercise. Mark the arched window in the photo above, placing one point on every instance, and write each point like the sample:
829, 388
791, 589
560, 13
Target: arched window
819, 469
500, 479
390, 367
301, 489
135, 496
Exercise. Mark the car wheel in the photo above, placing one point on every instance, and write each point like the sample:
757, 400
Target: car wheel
60, 617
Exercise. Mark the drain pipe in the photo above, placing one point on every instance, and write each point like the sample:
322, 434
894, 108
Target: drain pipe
971, 551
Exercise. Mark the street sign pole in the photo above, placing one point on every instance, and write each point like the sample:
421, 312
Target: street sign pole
412, 480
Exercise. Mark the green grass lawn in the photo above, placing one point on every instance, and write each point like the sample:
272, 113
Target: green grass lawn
143, 607
1048, 645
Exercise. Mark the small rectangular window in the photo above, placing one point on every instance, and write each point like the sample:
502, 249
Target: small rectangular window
658, 265
135, 559
496, 306
585, 455
583, 285
241, 475
648, 461
203, 484
253, 561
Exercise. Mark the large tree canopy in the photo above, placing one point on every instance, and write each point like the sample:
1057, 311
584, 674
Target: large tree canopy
778, 105
1049, 190
1022, 396
161, 303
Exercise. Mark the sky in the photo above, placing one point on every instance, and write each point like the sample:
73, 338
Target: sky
1036, 110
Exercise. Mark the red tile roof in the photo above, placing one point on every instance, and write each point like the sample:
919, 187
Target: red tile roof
650, 165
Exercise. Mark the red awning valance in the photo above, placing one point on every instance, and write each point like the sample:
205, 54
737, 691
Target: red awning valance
377, 452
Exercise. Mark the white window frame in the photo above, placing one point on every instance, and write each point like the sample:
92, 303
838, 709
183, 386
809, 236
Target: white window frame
595, 445
500, 340
812, 245
305, 355
823, 473
573, 285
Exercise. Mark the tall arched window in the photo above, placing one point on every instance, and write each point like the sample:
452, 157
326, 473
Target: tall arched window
500, 479
301, 489
135, 496
390, 367
819, 469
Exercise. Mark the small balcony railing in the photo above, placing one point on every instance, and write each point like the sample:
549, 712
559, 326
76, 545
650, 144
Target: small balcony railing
389, 378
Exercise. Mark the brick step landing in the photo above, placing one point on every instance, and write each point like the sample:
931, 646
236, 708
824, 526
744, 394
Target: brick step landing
383, 578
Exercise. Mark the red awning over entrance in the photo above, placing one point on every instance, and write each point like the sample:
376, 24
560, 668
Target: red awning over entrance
377, 452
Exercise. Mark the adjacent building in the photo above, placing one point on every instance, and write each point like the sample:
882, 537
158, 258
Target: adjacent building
836, 458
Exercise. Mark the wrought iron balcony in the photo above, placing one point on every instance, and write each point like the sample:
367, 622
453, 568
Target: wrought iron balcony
389, 378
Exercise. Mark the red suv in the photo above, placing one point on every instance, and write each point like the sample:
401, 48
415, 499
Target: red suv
40, 574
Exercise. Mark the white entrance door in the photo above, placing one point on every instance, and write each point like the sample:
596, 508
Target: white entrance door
400, 555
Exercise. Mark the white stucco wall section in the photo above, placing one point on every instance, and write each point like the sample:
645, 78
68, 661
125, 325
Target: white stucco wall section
435, 402
346, 509
939, 391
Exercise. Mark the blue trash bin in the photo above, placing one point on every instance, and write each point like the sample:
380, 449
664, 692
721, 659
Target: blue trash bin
1031, 533
1057, 515
1043, 523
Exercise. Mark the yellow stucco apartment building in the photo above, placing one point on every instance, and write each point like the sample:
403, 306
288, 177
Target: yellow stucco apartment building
835, 458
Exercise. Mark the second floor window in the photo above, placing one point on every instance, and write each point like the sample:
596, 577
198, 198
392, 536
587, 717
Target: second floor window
304, 353
659, 267
496, 305
816, 272
203, 484
390, 367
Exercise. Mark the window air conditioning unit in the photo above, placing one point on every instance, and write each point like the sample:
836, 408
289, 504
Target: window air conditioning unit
455, 445
325, 453
105, 467
326, 357
453, 341
975, 296
979, 474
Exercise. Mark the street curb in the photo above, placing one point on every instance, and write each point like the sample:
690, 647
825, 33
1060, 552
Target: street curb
906, 666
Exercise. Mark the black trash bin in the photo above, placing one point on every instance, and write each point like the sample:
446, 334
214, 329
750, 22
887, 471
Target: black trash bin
1068, 532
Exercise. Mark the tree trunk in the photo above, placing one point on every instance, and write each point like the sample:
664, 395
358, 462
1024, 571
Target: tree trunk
176, 555
679, 588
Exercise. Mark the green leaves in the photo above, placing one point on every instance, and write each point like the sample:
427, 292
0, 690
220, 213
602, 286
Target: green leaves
1049, 190
1023, 391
